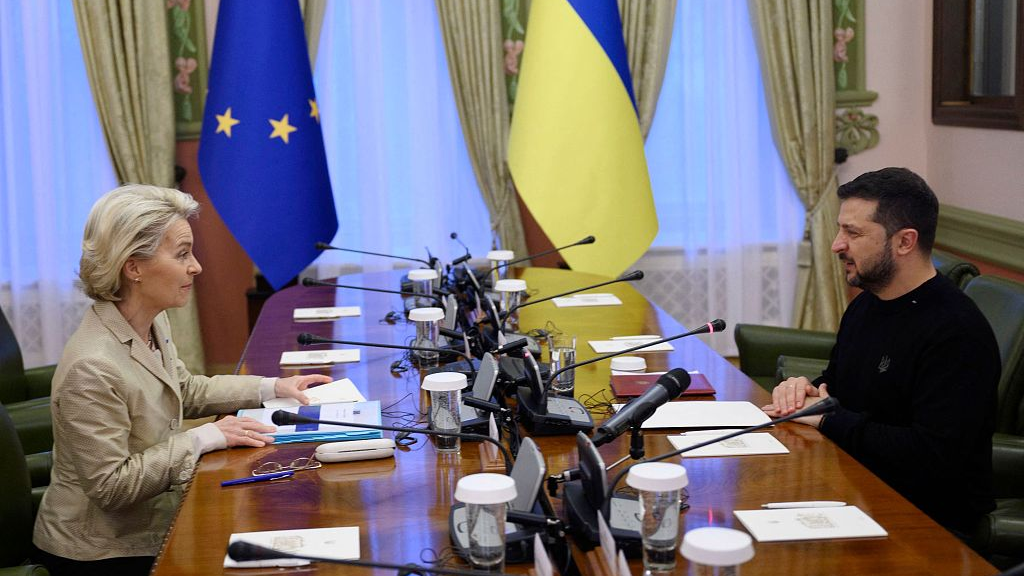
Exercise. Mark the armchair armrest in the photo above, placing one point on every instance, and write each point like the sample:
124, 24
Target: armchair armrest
794, 366
760, 347
1007, 466
38, 380
39, 466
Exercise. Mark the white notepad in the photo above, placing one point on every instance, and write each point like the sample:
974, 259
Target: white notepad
318, 357
587, 300
338, 543
623, 342
809, 524
704, 414
745, 445
343, 390
326, 313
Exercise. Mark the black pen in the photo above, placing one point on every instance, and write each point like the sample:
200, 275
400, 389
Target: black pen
259, 478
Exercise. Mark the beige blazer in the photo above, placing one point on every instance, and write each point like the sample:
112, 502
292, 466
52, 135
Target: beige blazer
120, 463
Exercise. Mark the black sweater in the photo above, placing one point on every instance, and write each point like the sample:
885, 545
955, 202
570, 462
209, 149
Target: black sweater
917, 377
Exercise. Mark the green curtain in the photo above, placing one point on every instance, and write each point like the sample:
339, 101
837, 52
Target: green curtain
647, 28
795, 44
127, 58
473, 41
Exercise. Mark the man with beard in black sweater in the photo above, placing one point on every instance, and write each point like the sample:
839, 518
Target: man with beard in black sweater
915, 366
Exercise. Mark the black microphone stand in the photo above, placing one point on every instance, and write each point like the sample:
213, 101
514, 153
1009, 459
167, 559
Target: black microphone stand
285, 418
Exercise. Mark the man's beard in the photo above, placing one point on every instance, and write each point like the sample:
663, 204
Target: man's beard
874, 276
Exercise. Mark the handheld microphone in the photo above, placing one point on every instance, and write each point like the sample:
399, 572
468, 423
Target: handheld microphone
326, 246
315, 282
285, 418
587, 240
632, 276
307, 339
667, 388
240, 551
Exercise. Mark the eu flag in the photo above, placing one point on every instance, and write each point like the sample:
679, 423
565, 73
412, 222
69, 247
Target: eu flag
261, 152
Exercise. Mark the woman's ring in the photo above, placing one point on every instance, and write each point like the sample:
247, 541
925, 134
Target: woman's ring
248, 434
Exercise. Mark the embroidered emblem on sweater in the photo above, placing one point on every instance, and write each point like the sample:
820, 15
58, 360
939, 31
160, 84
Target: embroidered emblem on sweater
884, 364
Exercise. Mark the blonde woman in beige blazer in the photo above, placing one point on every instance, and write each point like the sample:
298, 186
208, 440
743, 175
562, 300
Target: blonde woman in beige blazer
120, 393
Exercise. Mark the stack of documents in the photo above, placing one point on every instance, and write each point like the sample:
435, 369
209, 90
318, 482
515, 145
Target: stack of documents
587, 300
338, 391
745, 445
334, 543
318, 357
809, 524
620, 343
355, 412
326, 313
700, 414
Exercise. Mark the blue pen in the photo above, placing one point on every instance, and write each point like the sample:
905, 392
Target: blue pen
260, 478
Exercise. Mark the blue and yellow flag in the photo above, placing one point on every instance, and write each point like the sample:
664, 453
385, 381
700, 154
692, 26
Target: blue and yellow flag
575, 149
261, 153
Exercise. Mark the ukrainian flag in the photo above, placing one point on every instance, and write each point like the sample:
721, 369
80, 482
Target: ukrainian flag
575, 149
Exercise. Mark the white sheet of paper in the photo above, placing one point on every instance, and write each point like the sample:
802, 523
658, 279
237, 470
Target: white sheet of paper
492, 427
745, 445
318, 357
620, 344
541, 561
623, 569
704, 414
809, 524
339, 543
587, 300
604, 535
325, 313
343, 390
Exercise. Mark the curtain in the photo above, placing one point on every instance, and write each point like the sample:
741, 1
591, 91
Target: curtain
795, 43
400, 171
473, 40
729, 218
647, 28
127, 58
53, 166
313, 17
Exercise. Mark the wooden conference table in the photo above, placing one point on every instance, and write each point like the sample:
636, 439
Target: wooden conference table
401, 505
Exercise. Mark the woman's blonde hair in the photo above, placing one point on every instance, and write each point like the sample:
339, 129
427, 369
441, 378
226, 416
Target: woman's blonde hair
127, 222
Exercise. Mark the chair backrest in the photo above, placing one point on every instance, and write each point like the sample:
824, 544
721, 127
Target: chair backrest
953, 267
12, 369
15, 497
1002, 303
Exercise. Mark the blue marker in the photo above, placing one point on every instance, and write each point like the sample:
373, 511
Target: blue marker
260, 478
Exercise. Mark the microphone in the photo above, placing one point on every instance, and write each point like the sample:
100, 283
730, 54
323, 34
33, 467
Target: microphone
826, 406
587, 240
634, 275
667, 388
315, 282
307, 339
285, 418
326, 246
240, 551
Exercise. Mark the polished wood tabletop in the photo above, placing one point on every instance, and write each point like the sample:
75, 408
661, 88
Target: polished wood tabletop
401, 504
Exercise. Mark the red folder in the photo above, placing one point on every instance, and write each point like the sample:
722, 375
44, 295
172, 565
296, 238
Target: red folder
630, 385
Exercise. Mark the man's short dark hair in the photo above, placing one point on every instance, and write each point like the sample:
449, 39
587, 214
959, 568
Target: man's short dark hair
904, 201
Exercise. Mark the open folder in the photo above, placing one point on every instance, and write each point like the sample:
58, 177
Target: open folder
356, 412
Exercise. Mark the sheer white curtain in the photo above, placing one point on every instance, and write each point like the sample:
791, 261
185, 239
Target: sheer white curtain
729, 218
401, 175
53, 165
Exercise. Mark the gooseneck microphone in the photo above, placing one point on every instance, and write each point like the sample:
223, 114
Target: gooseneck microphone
667, 388
631, 277
826, 406
587, 240
285, 418
315, 282
240, 551
326, 246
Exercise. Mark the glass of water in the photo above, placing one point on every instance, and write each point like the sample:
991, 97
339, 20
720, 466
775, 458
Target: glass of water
428, 325
659, 484
445, 397
423, 285
563, 354
486, 496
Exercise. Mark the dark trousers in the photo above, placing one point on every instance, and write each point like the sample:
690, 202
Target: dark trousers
127, 566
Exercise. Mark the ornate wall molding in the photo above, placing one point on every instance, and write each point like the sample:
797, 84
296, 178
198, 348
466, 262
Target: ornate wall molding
856, 130
189, 63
